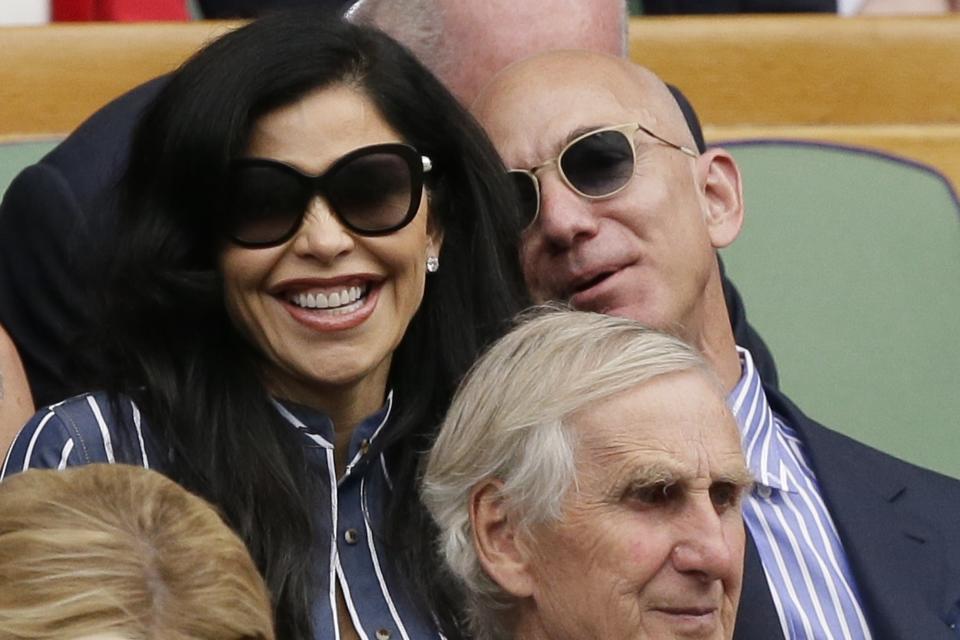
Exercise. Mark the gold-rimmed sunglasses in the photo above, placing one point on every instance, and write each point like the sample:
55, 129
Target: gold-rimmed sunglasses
595, 165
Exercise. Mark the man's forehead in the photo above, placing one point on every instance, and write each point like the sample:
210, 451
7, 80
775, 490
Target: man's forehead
531, 124
677, 425
654, 440
652, 460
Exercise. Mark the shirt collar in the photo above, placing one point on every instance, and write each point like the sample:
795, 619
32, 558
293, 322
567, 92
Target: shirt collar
319, 428
366, 432
763, 443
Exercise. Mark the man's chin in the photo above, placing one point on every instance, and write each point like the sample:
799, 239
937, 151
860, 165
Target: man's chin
642, 313
645, 312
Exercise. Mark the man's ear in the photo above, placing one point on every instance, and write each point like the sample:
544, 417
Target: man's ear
723, 193
498, 541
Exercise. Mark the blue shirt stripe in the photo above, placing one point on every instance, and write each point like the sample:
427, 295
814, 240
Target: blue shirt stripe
813, 588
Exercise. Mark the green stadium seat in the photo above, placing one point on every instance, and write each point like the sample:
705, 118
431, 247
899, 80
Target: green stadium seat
849, 265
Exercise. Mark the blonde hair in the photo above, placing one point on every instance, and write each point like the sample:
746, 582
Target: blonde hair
509, 421
116, 548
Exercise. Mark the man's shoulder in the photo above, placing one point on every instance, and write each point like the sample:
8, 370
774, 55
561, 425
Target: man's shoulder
878, 461
92, 157
57, 220
837, 457
899, 524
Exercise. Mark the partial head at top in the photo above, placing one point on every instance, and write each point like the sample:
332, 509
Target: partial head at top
466, 43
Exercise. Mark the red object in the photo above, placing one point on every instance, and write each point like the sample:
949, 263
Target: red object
119, 10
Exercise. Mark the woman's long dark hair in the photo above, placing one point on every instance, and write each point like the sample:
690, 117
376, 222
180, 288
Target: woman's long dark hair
171, 346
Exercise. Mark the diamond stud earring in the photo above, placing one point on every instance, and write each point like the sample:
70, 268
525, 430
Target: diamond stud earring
433, 264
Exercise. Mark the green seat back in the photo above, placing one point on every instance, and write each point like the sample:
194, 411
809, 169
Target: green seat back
14, 156
849, 266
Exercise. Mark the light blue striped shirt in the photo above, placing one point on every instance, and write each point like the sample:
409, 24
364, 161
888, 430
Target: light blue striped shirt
810, 580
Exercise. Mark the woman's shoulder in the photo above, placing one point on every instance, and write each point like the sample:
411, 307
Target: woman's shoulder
84, 429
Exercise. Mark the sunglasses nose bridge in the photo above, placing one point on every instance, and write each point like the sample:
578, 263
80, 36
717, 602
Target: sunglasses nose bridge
319, 196
535, 171
322, 232
564, 179
538, 170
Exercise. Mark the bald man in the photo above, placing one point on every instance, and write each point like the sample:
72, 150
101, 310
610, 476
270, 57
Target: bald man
466, 43
626, 218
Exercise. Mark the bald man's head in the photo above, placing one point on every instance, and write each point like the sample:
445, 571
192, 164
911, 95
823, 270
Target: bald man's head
628, 221
466, 43
592, 87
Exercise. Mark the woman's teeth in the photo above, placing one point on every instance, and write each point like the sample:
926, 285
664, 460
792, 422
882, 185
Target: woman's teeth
330, 300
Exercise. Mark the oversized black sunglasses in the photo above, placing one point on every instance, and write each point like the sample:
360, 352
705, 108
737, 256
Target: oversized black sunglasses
597, 164
372, 190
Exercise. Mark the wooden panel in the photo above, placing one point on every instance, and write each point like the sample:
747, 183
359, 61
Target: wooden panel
53, 77
935, 145
854, 80
771, 70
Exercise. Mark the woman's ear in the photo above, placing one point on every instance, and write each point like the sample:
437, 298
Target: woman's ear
434, 240
498, 541
434, 231
723, 194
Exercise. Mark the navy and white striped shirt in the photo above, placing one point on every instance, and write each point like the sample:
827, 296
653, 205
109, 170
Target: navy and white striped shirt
85, 429
807, 570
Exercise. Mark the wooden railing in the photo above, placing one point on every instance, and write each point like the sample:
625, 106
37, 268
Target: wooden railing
53, 77
887, 83
891, 84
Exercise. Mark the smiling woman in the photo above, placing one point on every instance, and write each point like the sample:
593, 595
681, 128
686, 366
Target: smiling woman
329, 305
294, 298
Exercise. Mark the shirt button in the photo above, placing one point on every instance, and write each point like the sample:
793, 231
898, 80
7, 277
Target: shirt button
764, 491
351, 536
383, 634
364, 446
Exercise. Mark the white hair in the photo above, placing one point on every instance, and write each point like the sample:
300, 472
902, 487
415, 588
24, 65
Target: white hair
416, 24
509, 421
446, 38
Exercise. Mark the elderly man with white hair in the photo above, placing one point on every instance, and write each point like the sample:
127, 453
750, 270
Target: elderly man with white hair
586, 484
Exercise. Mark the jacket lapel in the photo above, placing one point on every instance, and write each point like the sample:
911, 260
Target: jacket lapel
757, 617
